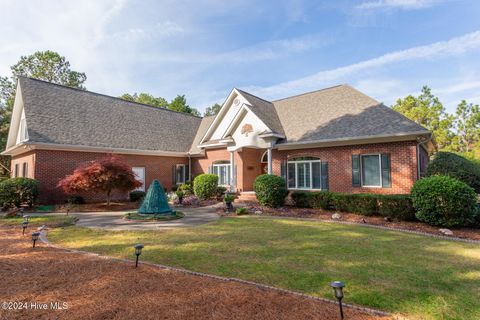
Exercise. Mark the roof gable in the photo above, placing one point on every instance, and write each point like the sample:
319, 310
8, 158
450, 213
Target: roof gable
339, 112
234, 109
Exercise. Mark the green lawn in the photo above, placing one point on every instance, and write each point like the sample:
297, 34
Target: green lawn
48, 220
419, 276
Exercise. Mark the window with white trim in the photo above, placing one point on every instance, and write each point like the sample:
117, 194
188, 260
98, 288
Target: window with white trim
25, 170
181, 173
140, 175
222, 170
371, 169
23, 130
16, 172
304, 173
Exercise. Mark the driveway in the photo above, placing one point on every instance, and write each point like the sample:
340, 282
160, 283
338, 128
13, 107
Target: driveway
113, 220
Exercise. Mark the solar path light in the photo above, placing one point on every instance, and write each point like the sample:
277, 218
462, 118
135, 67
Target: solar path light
35, 236
138, 252
338, 289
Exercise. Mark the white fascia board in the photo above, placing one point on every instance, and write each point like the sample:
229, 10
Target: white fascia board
406, 136
24, 147
220, 115
18, 107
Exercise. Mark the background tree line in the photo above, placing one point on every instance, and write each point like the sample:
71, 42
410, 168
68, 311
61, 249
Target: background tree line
458, 132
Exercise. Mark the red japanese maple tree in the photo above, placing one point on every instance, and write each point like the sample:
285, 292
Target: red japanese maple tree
104, 175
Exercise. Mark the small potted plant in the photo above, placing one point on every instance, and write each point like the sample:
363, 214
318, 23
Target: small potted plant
228, 198
180, 196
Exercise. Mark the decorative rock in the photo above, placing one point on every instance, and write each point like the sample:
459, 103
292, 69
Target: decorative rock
258, 212
336, 216
446, 232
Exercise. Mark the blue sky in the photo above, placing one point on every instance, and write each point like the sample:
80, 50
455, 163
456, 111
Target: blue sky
385, 48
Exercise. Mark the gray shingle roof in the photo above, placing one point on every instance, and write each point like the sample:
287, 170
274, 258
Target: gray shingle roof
62, 115
202, 129
338, 112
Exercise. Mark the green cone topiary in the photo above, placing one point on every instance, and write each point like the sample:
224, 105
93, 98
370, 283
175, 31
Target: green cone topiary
155, 201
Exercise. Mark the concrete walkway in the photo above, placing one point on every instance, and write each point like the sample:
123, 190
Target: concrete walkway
113, 220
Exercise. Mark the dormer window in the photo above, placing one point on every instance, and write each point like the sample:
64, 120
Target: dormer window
23, 130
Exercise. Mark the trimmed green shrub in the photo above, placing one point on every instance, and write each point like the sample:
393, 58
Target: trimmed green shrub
270, 190
220, 192
397, 207
241, 211
17, 191
365, 204
316, 200
444, 201
137, 195
321, 200
187, 188
205, 186
302, 199
453, 165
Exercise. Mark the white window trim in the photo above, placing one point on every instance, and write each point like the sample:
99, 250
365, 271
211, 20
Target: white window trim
228, 175
142, 188
380, 169
25, 170
185, 173
296, 162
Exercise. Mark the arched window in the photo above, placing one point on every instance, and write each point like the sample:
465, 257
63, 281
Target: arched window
222, 169
265, 157
304, 173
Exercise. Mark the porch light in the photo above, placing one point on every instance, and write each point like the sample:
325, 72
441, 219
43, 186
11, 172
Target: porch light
35, 236
24, 226
338, 289
138, 252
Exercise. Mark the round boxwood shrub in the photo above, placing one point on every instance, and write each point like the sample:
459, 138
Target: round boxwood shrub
270, 190
17, 191
205, 186
444, 201
453, 165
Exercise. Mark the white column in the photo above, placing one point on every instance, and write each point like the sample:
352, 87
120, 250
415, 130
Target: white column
232, 167
269, 160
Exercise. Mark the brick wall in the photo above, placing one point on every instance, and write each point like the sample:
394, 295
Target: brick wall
402, 158
51, 166
29, 158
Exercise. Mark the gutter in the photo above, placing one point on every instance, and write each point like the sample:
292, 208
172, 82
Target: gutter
405, 136
81, 148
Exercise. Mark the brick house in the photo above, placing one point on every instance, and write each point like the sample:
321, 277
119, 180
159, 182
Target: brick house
335, 139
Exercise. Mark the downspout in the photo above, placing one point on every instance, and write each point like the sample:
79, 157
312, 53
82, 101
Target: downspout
189, 167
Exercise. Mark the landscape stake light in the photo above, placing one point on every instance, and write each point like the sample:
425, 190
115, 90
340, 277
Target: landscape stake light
26, 217
338, 288
24, 226
138, 252
35, 236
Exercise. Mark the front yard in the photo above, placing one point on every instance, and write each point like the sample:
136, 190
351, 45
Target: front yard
422, 277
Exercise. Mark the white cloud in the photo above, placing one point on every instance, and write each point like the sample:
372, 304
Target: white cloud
397, 4
453, 46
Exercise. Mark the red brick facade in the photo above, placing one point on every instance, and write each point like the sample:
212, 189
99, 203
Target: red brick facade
50, 166
403, 159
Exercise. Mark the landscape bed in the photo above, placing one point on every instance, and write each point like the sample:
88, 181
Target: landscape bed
421, 277
96, 288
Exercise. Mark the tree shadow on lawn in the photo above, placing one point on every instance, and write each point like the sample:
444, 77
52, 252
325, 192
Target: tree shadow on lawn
390, 270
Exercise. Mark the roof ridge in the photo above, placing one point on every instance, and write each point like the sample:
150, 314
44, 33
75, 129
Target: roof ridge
107, 96
313, 91
243, 91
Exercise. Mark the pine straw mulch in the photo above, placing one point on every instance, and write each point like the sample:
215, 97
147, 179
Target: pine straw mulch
96, 288
287, 211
